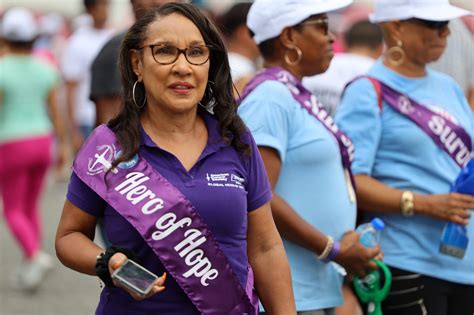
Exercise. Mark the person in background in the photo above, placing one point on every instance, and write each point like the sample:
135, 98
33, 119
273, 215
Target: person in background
201, 214
243, 52
306, 158
457, 60
78, 55
364, 45
105, 85
412, 130
29, 120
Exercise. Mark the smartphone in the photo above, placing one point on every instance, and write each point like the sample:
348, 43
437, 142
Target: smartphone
135, 277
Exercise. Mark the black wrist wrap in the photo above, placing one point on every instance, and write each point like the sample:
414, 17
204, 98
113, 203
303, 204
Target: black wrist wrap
102, 264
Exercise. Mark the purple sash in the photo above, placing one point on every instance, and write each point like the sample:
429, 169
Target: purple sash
168, 222
309, 102
450, 137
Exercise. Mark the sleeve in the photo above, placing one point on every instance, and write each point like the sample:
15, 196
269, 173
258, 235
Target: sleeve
72, 65
359, 117
266, 112
258, 187
83, 197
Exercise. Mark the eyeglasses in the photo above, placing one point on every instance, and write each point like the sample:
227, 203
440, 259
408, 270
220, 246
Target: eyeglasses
323, 23
434, 25
166, 54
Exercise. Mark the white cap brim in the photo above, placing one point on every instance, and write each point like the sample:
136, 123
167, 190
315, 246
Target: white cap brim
444, 12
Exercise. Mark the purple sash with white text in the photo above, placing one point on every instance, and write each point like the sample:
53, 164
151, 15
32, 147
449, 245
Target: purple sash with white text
169, 224
447, 135
310, 103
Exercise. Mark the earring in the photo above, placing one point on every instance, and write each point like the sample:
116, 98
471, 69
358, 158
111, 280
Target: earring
395, 54
299, 55
209, 95
133, 96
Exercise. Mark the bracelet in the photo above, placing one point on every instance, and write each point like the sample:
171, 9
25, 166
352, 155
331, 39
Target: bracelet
336, 247
102, 263
327, 249
407, 203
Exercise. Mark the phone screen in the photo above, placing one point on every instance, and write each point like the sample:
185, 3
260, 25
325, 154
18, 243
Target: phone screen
135, 276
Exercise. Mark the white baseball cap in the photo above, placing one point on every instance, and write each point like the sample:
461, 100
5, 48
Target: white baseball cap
267, 18
19, 24
432, 10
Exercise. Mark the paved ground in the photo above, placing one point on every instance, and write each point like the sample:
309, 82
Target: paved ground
64, 292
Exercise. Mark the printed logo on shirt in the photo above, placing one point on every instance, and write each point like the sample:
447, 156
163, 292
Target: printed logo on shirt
225, 180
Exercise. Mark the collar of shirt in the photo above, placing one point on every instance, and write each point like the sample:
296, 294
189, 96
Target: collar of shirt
214, 141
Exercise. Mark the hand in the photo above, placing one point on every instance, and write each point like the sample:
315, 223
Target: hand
62, 157
77, 140
356, 258
452, 207
118, 260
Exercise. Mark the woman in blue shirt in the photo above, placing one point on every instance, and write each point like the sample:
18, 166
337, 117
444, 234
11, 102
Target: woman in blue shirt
307, 163
407, 155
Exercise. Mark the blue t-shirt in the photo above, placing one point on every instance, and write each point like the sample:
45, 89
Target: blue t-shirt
392, 149
311, 181
222, 185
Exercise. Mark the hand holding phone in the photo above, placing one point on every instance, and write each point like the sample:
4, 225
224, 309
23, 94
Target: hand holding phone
135, 279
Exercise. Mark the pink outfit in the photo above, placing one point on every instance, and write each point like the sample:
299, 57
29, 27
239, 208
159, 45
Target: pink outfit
23, 167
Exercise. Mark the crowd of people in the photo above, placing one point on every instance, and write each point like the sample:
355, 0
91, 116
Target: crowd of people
234, 155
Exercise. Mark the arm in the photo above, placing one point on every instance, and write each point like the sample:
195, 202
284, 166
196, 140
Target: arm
265, 249
74, 246
470, 97
376, 196
353, 256
53, 109
76, 136
76, 250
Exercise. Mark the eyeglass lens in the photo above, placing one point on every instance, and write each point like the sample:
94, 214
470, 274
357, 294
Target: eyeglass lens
322, 23
167, 54
435, 25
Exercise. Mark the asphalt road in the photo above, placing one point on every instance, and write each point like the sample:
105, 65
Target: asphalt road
64, 291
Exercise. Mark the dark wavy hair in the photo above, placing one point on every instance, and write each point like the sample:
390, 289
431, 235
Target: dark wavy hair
126, 124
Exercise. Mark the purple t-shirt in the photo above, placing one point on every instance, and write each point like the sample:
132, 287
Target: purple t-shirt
222, 185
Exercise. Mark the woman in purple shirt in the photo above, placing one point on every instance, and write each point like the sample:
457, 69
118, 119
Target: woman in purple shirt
183, 144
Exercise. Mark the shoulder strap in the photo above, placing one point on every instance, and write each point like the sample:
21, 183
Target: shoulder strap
378, 90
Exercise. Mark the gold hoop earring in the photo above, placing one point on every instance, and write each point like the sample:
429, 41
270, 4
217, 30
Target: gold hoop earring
133, 96
299, 55
395, 54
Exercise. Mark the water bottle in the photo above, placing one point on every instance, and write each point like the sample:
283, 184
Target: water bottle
370, 232
454, 240
375, 286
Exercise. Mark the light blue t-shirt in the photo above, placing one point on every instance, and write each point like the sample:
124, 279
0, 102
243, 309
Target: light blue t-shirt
311, 180
392, 149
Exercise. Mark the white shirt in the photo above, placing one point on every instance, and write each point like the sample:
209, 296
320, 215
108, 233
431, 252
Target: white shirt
240, 66
80, 52
328, 86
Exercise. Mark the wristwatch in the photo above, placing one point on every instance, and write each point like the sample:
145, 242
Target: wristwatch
407, 203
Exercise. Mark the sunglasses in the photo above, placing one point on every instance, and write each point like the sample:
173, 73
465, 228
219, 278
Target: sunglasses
434, 25
323, 23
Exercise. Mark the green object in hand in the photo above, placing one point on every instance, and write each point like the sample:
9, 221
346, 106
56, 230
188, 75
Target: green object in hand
371, 290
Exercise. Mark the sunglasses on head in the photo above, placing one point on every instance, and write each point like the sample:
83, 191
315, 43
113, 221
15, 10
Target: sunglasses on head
434, 25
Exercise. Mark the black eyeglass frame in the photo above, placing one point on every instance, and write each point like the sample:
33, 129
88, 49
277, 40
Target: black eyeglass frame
434, 25
180, 51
